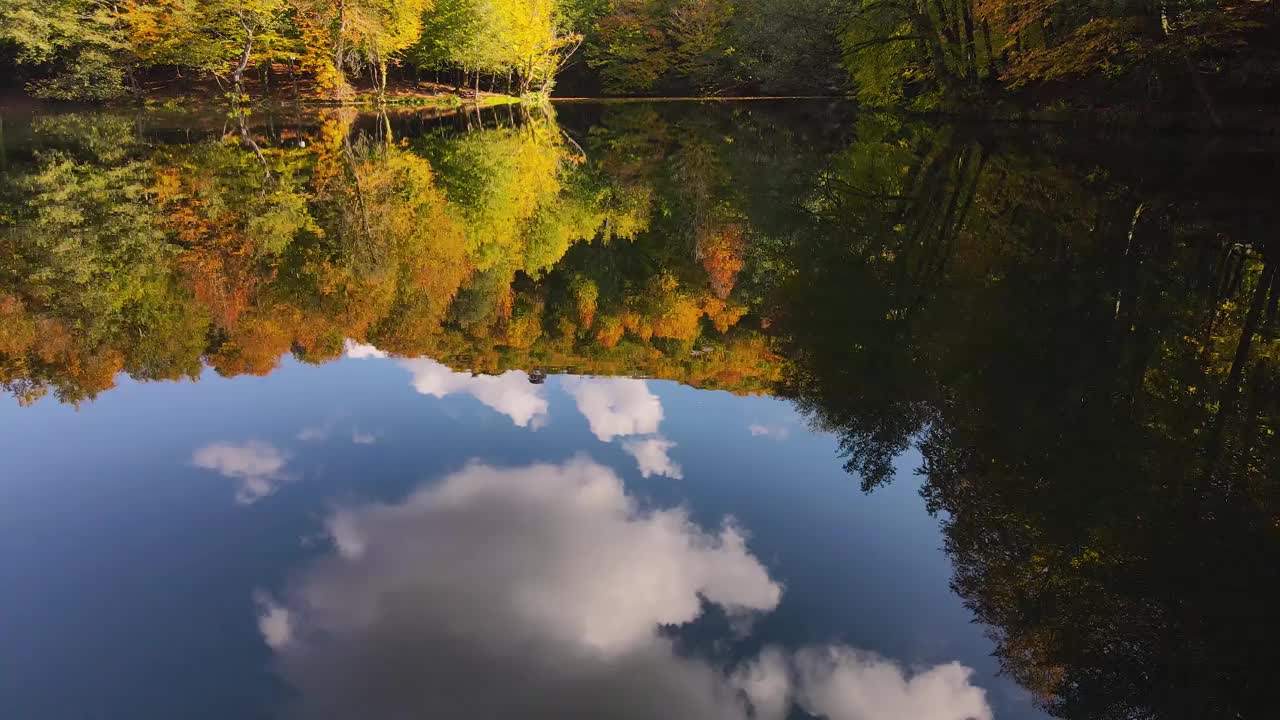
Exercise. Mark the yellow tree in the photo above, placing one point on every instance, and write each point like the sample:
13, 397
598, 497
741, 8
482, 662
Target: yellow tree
221, 37
534, 42
340, 34
326, 27
383, 28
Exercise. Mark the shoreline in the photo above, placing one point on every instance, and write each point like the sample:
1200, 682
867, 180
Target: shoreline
1234, 121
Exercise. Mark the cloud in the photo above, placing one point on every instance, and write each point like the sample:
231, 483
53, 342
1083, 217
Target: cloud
317, 433
542, 592
274, 621
357, 350
841, 683
779, 432
766, 681
510, 393
615, 406
360, 437
530, 592
314, 433
652, 458
257, 466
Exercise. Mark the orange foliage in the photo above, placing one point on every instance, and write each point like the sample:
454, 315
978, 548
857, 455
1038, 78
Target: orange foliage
609, 331
254, 347
722, 314
17, 330
722, 250
679, 319
636, 324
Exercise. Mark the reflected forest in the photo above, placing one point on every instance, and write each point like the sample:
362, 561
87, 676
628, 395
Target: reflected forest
1081, 337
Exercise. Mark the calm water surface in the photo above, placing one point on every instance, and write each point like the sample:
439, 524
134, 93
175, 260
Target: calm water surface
766, 410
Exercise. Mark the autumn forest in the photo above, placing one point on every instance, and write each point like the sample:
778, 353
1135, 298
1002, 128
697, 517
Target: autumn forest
1215, 59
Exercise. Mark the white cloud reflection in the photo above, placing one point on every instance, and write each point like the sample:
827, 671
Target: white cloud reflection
510, 393
541, 592
778, 432
652, 456
257, 467
274, 622
843, 683
357, 350
615, 406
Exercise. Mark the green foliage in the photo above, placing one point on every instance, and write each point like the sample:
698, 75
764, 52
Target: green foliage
83, 233
949, 53
714, 46
451, 30
885, 74
628, 47
221, 37
81, 40
697, 32
528, 40
92, 74
800, 55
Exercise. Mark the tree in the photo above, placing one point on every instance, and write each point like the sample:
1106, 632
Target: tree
696, 29
342, 34
381, 29
220, 37
628, 47
81, 39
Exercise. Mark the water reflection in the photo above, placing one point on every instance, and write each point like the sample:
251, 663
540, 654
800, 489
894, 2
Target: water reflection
1078, 336
616, 407
257, 467
541, 591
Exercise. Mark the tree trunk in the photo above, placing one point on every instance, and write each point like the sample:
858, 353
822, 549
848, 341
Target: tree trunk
237, 77
1230, 397
991, 50
970, 46
923, 26
1269, 316
339, 51
944, 23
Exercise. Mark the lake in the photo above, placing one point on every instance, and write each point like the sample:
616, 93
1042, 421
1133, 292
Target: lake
769, 409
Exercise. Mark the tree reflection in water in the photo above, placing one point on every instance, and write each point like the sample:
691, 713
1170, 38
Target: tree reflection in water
1079, 336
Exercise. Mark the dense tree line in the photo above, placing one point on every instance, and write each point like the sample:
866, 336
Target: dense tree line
921, 54
931, 53
89, 49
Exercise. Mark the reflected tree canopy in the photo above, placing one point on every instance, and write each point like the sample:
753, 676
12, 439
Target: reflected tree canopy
1080, 337
1083, 348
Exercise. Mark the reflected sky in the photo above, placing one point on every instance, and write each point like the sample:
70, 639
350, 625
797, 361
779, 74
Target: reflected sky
375, 535
485, 416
